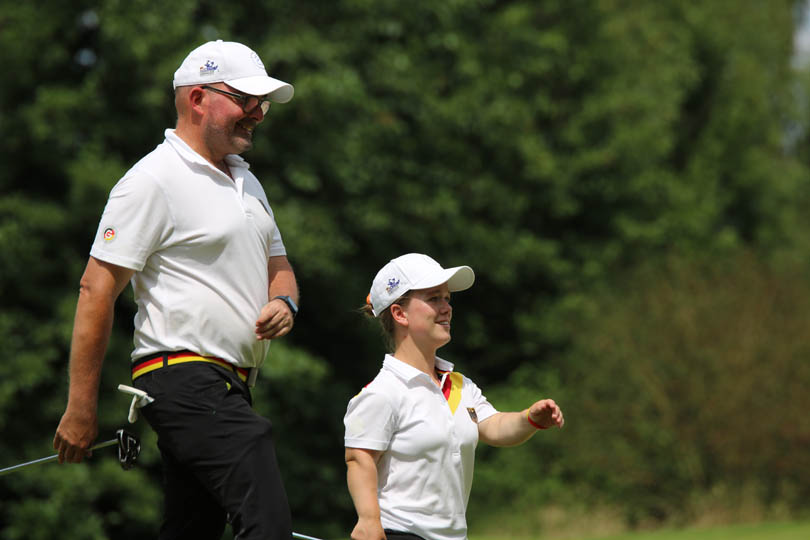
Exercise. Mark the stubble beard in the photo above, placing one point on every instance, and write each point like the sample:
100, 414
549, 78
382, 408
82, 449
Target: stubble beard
234, 140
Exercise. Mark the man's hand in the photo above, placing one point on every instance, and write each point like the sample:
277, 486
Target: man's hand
75, 434
275, 320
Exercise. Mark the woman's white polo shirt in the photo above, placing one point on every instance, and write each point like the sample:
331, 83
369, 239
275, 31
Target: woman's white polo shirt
428, 441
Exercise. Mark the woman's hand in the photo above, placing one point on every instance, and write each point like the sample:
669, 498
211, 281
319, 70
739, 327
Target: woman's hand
546, 413
368, 529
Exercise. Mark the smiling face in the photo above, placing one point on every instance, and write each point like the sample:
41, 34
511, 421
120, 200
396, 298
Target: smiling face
428, 314
228, 129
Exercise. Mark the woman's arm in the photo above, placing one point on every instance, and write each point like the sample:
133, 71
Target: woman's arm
513, 428
361, 477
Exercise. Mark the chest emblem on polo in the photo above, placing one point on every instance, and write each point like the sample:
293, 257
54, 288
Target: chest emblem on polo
473, 416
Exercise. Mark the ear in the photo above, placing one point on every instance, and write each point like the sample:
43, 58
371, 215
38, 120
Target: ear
196, 98
399, 315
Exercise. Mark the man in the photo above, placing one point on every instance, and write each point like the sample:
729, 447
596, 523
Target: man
192, 229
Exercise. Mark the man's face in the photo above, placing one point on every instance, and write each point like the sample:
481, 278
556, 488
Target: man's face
228, 128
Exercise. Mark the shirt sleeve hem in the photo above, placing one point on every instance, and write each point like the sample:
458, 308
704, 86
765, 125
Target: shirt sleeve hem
117, 260
366, 444
489, 412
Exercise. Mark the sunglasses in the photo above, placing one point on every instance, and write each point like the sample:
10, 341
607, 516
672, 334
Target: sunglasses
248, 103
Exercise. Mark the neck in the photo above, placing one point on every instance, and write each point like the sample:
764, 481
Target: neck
422, 358
196, 143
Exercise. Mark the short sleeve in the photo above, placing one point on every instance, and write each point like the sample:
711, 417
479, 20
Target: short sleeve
483, 408
370, 420
135, 221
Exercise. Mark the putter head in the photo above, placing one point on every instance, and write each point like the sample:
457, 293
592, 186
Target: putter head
129, 448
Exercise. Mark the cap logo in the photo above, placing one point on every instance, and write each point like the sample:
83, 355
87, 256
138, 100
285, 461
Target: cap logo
109, 234
393, 283
256, 59
209, 68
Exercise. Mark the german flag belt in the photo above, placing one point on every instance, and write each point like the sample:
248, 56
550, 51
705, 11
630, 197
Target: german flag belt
158, 361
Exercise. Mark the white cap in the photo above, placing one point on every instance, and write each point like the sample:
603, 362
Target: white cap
234, 64
412, 272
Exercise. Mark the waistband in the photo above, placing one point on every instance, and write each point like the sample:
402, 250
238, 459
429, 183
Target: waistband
144, 365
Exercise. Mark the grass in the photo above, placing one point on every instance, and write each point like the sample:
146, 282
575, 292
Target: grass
759, 531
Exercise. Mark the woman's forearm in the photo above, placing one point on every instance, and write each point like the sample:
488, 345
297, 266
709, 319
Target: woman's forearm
361, 478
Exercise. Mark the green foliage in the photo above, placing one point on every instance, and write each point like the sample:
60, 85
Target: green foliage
671, 393
551, 145
763, 531
84, 501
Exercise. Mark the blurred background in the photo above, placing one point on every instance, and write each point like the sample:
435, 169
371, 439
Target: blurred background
628, 178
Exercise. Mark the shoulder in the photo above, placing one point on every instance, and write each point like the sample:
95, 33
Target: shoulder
156, 160
384, 395
469, 385
148, 170
383, 387
138, 183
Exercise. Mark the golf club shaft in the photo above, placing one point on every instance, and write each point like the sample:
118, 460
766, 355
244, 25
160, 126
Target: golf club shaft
105, 444
303, 537
52, 458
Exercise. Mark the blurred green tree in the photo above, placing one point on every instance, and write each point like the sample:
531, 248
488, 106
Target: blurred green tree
671, 396
551, 145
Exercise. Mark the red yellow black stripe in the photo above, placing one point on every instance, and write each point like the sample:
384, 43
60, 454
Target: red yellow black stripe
151, 364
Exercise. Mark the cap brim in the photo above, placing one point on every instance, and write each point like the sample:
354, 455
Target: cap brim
458, 278
274, 89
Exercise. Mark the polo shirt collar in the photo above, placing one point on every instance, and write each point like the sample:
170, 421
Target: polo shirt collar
187, 153
407, 372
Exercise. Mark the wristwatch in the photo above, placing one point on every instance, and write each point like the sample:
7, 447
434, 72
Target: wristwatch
289, 301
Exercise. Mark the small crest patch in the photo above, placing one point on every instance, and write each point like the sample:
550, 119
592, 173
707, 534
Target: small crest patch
473, 416
109, 234
209, 68
393, 283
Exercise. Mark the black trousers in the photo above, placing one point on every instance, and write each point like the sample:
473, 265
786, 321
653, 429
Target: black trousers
218, 456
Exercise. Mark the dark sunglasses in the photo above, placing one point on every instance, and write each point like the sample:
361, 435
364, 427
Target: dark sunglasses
248, 103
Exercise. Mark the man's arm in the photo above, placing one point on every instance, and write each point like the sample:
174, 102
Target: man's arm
513, 428
100, 286
276, 317
361, 477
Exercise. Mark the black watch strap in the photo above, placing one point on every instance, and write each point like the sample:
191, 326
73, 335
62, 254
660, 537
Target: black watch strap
289, 301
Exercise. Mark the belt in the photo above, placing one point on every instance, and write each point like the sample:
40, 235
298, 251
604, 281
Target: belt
146, 364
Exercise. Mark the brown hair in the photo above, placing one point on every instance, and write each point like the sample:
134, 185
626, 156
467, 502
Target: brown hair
386, 320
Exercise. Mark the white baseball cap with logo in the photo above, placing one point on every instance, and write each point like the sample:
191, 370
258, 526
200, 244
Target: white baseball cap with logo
234, 64
412, 272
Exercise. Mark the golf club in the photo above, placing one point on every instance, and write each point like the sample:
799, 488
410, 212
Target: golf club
129, 448
303, 537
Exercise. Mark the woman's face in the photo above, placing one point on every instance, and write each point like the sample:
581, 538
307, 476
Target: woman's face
429, 313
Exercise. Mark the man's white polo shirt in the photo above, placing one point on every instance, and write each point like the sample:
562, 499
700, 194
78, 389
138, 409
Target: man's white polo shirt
199, 242
426, 470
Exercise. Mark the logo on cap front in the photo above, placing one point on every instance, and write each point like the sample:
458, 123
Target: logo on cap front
209, 68
393, 283
256, 59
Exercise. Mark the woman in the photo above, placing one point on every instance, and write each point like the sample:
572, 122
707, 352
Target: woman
411, 433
